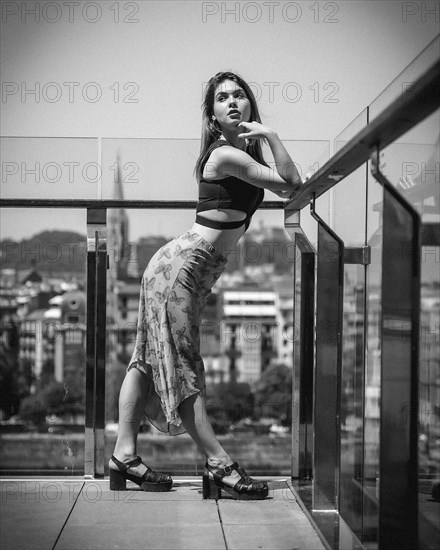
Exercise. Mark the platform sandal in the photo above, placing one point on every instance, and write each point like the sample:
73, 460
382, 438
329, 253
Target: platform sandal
239, 485
151, 481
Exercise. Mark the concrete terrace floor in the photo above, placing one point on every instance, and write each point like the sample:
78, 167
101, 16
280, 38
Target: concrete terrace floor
74, 514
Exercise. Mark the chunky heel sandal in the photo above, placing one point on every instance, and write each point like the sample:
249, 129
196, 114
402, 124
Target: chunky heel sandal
210, 489
118, 482
239, 485
151, 481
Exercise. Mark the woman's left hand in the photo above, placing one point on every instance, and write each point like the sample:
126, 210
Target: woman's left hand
254, 130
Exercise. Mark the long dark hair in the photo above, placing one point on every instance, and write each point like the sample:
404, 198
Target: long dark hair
210, 129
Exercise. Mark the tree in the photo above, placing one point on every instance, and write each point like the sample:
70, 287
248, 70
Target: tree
52, 398
229, 402
273, 393
33, 409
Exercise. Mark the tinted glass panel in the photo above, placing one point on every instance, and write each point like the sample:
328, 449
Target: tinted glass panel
327, 373
50, 168
352, 381
400, 318
302, 431
43, 341
429, 404
373, 366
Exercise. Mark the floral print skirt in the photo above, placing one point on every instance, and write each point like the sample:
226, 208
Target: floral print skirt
174, 289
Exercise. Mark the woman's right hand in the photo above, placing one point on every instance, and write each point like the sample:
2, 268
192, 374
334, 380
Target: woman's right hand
254, 130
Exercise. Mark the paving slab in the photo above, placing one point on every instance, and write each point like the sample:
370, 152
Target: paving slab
134, 519
275, 523
33, 512
270, 537
280, 507
146, 536
143, 511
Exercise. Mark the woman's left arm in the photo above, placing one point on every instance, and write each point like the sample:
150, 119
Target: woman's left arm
283, 162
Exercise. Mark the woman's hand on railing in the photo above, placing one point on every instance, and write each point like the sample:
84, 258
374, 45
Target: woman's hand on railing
289, 193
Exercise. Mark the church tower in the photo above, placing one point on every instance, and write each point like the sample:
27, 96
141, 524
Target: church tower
118, 226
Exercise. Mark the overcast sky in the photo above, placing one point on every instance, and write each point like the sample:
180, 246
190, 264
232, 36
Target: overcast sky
137, 70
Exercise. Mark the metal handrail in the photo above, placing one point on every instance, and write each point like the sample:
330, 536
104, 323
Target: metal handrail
399, 117
112, 203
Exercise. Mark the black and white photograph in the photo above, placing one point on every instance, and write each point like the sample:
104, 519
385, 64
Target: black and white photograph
220, 275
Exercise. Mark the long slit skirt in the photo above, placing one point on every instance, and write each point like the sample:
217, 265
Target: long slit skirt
174, 288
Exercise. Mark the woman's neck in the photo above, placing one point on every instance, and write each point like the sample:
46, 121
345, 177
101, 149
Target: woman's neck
234, 140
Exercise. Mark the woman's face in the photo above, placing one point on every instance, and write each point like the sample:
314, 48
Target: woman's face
231, 105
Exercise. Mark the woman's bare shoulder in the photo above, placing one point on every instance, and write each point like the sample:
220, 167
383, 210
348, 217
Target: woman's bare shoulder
222, 156
227, 153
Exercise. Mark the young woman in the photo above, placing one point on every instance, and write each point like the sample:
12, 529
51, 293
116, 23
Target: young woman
165, 378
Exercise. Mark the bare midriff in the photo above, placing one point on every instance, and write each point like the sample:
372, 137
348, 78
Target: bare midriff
223, 240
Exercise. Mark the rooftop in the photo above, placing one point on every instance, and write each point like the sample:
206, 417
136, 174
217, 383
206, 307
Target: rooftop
72, 513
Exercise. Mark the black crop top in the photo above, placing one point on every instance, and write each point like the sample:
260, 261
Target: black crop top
230, 192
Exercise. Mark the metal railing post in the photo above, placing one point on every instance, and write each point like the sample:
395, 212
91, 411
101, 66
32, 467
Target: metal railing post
96, 342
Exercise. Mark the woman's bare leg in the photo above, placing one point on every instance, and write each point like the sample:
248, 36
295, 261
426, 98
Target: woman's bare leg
195, 419
132, 401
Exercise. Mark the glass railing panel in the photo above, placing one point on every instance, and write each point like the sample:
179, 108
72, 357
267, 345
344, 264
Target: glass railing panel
312, 155
348, 219
429, 399
247, 330
355, 126
329, 274
43, 331
401, 86
303, 359
149, 169
349, 223
163, 169
308, 155
50, 168
349, 207
351, 398
398, 399
348, 215
412, 165
372, 375
308, 224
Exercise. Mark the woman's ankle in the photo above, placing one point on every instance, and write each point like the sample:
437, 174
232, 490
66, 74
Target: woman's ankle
124, 455
219, 461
